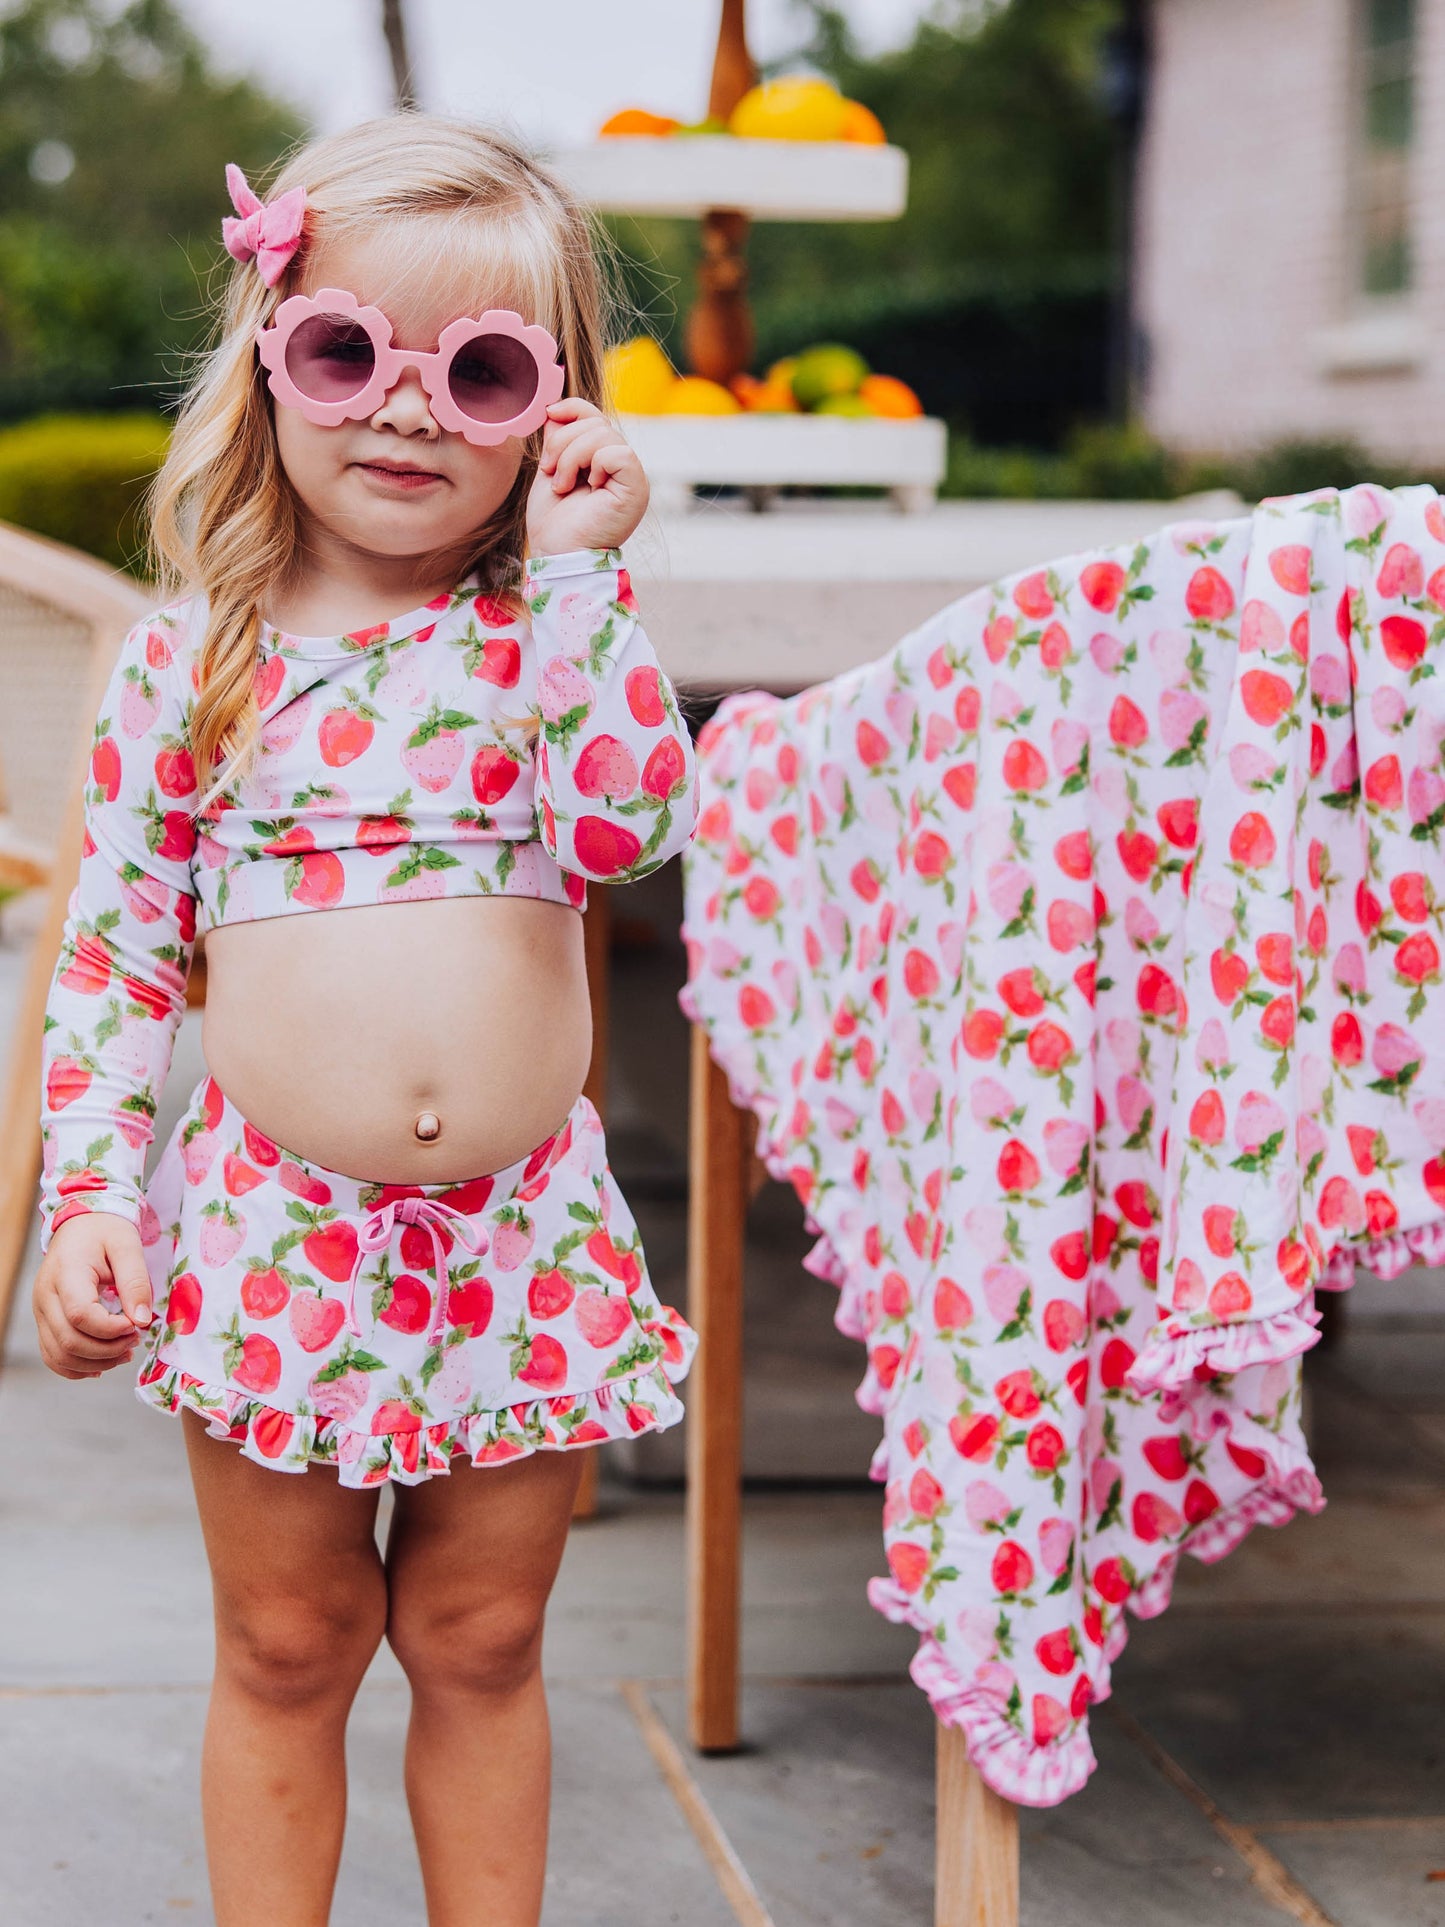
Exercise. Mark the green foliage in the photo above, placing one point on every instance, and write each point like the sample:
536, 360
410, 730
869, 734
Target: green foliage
81, 478
101, 271
1108, 462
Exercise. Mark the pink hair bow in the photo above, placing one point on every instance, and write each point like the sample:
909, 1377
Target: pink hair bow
268, 231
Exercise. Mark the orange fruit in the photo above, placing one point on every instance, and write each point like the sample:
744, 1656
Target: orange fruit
860, 123
771, 397
637, 120
744, 387
886, 395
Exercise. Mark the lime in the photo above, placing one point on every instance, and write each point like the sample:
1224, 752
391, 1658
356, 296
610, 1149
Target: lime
827, 369
852, 405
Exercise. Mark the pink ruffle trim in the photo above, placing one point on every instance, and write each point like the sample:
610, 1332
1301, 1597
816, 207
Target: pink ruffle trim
1007, 1760
291, 1442
1175, 1356
1388, 1257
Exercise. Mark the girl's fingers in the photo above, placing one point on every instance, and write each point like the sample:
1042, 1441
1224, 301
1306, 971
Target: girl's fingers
594, 455
77, 1300
572, 408
615, 460
559, 443
578, 457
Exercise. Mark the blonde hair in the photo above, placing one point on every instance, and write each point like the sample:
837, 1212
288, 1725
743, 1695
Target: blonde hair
223, 518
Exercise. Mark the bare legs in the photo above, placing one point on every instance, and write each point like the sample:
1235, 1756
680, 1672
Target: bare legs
302, 1598
470, 1562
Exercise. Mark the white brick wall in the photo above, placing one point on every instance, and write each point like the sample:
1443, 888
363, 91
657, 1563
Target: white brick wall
1242, 236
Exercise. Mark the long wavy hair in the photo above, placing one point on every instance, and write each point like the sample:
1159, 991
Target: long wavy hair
447, 197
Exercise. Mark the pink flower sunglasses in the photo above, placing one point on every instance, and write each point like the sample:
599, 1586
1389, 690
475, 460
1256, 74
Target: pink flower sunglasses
491, 376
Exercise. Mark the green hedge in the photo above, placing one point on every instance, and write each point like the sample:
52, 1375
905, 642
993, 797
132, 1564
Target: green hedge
80, 479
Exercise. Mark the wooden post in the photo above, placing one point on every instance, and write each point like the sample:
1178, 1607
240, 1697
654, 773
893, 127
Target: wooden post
596, 931
719, 1167
719, 331
976, 1843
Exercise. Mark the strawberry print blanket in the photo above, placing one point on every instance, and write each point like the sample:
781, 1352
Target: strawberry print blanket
1080, 961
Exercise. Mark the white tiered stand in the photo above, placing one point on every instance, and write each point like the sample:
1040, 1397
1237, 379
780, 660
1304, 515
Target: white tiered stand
716, 179
724, 183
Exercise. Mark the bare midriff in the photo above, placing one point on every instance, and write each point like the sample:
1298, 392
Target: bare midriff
335, 1032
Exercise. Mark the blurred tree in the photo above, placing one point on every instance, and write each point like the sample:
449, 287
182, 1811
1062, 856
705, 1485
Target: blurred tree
1005, 248
114, 135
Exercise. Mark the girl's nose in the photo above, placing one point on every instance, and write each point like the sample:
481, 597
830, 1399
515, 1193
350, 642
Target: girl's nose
406, 407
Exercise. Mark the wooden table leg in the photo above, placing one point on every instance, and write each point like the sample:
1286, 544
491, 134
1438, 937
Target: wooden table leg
719, 1164
976, 1846
596, 931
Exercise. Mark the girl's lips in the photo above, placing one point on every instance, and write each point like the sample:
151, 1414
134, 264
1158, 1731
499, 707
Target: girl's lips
406, 479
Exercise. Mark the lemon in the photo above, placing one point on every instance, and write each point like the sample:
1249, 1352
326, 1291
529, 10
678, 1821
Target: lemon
691, 395
638, 377
794, 108
825, 370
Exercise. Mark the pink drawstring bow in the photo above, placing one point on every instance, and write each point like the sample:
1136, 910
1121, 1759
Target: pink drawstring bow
376, 1234
268, 231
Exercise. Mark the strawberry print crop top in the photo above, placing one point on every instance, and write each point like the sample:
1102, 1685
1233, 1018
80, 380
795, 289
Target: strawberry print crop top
461, 749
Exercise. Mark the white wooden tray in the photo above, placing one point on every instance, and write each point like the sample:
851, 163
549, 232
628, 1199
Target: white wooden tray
687, 174
766, 451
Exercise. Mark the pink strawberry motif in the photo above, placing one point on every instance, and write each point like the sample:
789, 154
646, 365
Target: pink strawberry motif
339, 1396
512, 1240
563, 691
315, 1320
605, 766
222, 1231
433, 752
139, 705
602, 1318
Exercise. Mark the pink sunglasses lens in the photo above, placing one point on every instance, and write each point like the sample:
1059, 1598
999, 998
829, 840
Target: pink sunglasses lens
493, 378
330, 358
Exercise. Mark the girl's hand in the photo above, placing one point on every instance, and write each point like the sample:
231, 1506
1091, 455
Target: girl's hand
94, 1253
590, 491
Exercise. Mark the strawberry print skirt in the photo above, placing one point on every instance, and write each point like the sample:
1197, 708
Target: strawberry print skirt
384, 1328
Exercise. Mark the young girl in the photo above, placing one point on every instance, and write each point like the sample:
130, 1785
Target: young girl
407, 689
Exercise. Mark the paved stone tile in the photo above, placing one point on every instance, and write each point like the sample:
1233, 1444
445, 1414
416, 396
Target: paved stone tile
1361, 1443
831, 1808
1401, 1368
124, 1846
1361, 1550
1296, 1719
1375, 1877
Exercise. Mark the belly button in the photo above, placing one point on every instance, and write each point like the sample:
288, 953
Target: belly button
428, 1126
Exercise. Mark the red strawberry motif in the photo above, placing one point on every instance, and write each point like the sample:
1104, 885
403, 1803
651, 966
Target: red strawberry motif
469, 1305
264, 1292
259, 1367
